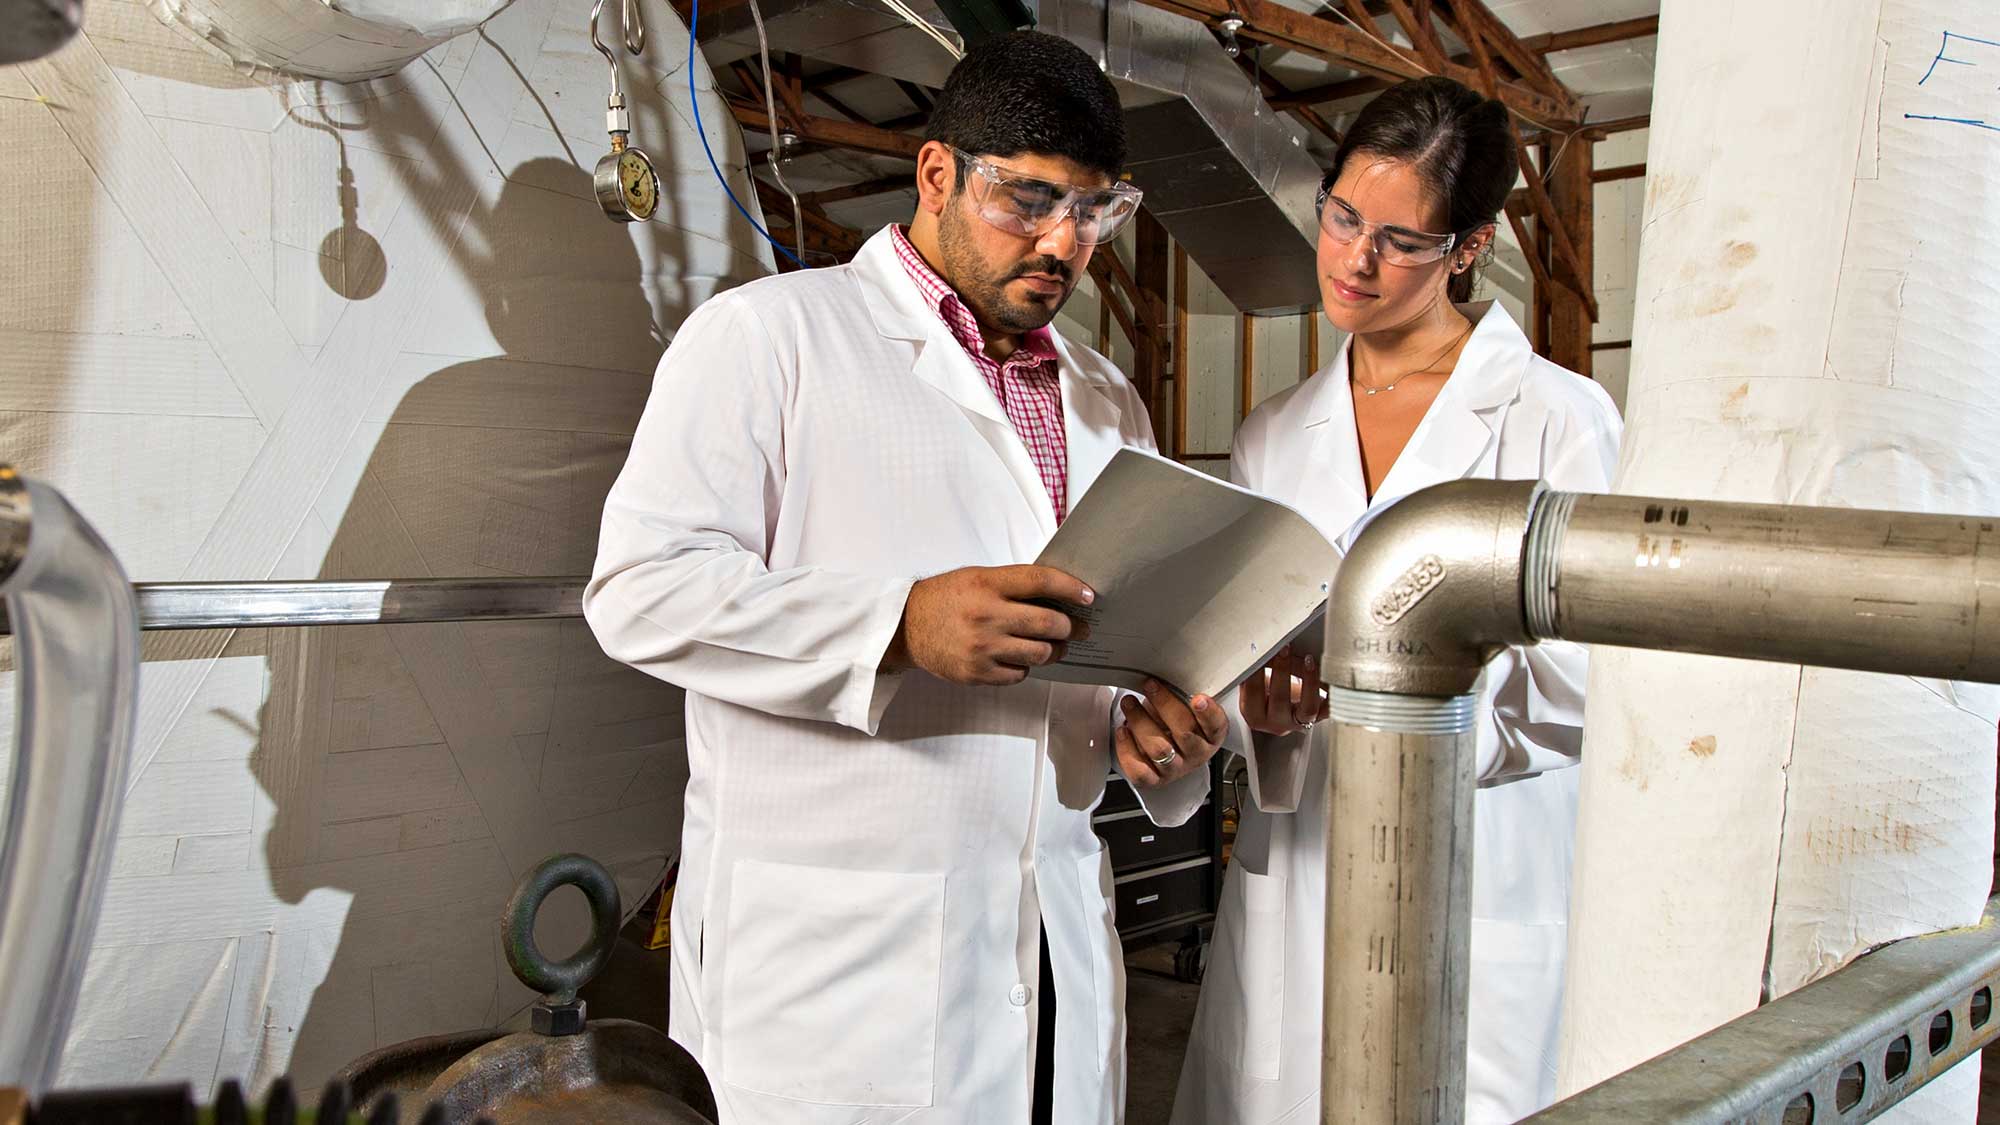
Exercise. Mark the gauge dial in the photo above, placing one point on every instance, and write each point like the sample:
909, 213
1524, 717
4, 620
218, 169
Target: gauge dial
627, 187
639, 183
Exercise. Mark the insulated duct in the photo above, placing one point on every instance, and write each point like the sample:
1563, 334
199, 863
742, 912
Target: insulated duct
1228, 177
340, 40
1813, 326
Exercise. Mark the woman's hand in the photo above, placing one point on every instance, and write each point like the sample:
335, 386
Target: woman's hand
1285, 697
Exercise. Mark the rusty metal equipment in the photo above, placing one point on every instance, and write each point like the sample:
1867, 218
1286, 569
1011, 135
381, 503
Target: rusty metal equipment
566, 1069
618, 1072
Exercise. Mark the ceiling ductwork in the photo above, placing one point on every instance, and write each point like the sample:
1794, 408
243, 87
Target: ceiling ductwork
1226, 175
1229, 178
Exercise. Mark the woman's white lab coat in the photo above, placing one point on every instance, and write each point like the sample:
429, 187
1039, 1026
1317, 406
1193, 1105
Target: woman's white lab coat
1253, 1058
864, 856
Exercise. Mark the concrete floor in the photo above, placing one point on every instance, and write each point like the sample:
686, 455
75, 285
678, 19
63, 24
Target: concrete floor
1158, 1012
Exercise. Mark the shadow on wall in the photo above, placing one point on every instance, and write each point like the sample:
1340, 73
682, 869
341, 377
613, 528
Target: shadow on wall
469, 752
423, 263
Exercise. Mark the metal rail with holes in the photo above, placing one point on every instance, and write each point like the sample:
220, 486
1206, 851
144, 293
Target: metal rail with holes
1842, 1049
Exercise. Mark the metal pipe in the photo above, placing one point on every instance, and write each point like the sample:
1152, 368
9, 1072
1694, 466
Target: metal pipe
1902, 592
250, 605
1398, 906
1848, 1046
78, 654
1430, 590
1437, 584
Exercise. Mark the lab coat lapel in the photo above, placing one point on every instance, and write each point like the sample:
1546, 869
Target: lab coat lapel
1333, 493
899, 312
1458, 436
1093, 422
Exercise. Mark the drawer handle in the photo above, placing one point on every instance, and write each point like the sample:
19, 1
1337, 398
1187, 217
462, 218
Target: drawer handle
1147, 839
1147, 899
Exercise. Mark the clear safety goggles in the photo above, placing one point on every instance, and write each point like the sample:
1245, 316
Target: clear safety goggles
1031, 208
1399, 246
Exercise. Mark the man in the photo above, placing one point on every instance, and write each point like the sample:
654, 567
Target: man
891, 906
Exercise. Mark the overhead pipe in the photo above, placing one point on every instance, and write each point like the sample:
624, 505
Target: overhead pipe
1438, 584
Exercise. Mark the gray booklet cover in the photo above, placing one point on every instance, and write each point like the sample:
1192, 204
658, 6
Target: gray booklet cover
1198, 580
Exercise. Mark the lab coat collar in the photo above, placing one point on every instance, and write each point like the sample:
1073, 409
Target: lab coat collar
1091, 414
1454, 439
1093, 421
900, 313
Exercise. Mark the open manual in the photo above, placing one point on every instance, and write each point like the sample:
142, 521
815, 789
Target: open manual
1198, 580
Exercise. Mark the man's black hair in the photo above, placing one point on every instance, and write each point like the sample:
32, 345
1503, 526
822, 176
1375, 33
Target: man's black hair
1028, 92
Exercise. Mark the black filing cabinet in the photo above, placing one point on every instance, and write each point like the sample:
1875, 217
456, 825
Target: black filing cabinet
1167, 880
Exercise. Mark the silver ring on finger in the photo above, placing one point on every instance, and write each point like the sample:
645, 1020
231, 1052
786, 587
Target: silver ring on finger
1170, 756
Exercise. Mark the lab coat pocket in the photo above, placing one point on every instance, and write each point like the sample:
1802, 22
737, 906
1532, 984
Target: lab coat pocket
1107, 976
1242, 1012
831, 982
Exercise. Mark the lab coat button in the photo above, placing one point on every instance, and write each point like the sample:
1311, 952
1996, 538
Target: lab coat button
1019, 996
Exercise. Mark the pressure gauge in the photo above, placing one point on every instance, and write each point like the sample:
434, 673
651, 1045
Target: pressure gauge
627, 187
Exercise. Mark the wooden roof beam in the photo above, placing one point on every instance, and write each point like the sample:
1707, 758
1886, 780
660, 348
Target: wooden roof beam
1540, 44
880, 186
1592, 36
1549, 223
1473, 17
835, 134
1268, 22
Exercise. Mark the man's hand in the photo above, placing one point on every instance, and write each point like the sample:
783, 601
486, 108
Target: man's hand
977, 626
1165, 739
1285, 696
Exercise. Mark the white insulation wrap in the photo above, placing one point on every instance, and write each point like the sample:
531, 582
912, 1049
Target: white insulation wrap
1814, 326
261, 328
342, 40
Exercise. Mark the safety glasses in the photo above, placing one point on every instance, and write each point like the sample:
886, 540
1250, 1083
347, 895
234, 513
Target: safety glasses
1031, 208
1398, 246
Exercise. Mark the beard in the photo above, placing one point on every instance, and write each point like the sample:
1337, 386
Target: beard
985, 289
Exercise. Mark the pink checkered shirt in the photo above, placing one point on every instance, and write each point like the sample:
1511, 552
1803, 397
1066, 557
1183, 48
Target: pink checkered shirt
1028, 384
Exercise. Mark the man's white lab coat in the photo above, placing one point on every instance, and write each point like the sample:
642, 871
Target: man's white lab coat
865, 856
1253, 1058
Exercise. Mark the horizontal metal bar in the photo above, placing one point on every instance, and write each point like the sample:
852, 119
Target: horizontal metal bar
258, 605
1855, 1043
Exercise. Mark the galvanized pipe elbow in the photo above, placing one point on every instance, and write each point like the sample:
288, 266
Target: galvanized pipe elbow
1431, 590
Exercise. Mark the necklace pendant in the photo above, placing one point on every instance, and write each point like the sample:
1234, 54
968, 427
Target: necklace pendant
1372, 391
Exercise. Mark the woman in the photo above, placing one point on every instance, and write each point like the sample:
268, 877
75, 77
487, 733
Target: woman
1426, 391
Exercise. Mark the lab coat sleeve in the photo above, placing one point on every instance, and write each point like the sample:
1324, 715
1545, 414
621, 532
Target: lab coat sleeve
682, 589
1535, 721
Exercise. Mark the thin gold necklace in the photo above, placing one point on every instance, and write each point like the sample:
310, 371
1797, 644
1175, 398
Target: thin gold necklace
1398, 380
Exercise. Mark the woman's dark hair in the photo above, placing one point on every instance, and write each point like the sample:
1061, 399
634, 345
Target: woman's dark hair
1028, 92
1460, 144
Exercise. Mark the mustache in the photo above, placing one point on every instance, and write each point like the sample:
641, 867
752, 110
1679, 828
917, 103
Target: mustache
1054, 267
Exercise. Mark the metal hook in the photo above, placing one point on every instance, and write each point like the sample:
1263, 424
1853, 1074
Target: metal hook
635, 27
617, 91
